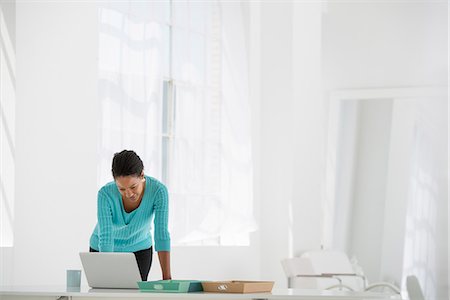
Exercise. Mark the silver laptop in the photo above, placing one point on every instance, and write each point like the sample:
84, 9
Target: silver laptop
110, 270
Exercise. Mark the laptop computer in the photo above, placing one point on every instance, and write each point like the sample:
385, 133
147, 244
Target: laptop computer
110, 270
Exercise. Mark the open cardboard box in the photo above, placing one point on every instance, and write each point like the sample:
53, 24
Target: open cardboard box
238, 286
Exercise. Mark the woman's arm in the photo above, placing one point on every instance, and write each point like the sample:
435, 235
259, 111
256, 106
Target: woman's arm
164, 261
162, 236
104, 217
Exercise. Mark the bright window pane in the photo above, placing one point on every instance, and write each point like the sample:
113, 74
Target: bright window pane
198, 56
166, 50
180, 56
180, 13
197, 17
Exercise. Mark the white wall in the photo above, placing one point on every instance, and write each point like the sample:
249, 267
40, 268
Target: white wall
309, 136
276, 138
382, 44
292, 134
56, 138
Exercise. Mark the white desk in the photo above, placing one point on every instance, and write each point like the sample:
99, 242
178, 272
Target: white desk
85, 293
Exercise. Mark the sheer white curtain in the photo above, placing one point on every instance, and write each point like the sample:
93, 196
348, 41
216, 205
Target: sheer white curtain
131, 52
200, 48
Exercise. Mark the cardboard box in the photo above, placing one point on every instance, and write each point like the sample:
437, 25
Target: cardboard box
238, 286
170, 286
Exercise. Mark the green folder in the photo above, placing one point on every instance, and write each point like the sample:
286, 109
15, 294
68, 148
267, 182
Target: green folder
171, 286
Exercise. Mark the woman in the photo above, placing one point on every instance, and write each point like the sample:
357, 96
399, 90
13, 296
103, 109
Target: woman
125, 208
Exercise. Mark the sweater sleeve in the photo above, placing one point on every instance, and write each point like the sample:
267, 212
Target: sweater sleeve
104, 216
162, 236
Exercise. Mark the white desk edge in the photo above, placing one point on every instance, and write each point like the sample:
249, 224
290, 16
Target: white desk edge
277, 294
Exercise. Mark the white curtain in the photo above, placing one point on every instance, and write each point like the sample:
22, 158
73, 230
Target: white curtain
200, 47
130, 73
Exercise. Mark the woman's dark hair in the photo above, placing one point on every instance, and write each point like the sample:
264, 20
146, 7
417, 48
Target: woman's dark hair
127, 163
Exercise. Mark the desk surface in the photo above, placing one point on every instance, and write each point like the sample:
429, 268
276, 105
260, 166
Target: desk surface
277, 294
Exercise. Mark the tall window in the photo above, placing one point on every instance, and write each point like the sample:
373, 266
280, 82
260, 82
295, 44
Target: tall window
7, 133
174, 87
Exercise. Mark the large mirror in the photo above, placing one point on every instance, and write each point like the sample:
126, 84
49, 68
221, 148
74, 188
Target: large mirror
387, 182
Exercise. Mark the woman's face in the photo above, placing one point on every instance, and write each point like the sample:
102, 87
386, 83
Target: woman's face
131, 187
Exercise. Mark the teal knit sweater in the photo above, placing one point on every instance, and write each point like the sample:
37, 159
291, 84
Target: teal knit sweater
119, 231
